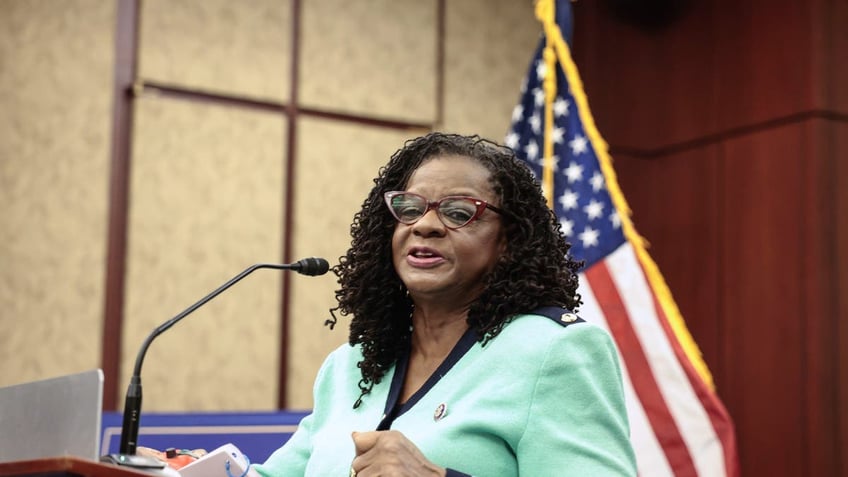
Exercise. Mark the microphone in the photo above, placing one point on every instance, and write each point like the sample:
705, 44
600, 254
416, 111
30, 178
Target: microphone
310, 266
132, 406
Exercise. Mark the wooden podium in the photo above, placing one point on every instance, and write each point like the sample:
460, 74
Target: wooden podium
66, 466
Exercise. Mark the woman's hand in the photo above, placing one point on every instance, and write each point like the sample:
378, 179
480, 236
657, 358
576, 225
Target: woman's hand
389, 454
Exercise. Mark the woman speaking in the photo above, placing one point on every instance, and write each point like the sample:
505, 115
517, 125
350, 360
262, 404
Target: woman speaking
465, 355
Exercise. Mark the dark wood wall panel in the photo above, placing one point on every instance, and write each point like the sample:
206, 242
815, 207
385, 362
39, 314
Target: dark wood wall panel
761, 266
736, 65
819, 278
764, 61
627, 71
831, 49
746, 233
730, 134
839, 140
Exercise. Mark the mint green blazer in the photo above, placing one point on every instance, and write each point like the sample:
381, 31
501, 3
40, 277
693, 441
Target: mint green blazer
544, 398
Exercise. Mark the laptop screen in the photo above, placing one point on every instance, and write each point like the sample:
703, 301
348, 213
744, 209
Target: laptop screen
52, 417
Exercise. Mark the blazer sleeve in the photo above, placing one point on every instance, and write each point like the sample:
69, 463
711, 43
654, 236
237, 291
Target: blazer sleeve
291, 459
577, 422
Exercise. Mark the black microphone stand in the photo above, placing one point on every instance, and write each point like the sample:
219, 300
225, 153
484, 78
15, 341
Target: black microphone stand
132, 404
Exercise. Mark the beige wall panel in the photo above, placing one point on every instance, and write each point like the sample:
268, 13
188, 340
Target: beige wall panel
206, 191
374, 58
489, 45
337, 163
55, 96
240, 48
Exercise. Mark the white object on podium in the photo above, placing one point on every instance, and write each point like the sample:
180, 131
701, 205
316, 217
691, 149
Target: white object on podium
224, 461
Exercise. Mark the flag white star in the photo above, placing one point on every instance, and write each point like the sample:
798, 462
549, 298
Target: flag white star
517, 113
538, 96
597, 181
589, 237
535, 123
568, 199
561, 106
532, 150
554, 162
615, 220
578, 144
557, 135
541, 69
541, 161
512, 139
574, 172
594, 210
567, 227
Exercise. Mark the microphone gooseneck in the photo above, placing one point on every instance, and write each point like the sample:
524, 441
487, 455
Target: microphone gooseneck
132, 405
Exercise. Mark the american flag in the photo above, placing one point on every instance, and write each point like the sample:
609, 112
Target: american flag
678, 425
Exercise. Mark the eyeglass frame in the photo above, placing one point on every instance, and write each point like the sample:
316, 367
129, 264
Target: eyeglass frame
481, 205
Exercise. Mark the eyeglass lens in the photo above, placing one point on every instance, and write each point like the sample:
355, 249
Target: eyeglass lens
453, 211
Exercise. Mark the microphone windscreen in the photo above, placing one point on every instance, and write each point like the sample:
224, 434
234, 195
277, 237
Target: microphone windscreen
313, 266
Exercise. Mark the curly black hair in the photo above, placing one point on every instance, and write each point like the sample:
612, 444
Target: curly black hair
536, 269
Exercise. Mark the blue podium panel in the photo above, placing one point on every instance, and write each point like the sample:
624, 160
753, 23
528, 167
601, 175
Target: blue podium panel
257, 434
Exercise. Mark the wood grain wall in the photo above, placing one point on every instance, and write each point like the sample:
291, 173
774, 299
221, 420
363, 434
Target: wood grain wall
729, 128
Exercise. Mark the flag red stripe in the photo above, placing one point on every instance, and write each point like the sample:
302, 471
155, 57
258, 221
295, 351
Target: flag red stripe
644, 384
719, 418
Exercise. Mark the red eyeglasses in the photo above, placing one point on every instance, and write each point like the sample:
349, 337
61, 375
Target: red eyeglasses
454, 211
